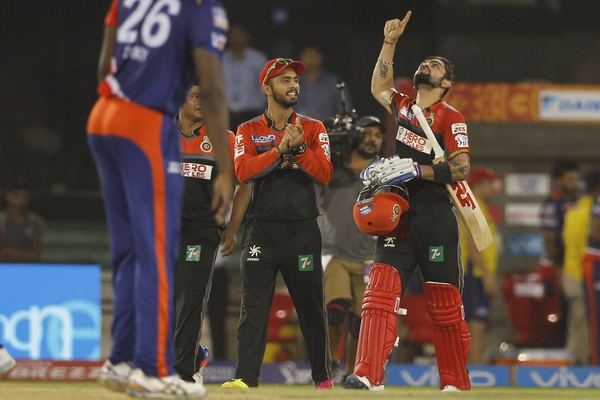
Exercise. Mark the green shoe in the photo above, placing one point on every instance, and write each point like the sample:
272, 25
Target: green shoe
234, 384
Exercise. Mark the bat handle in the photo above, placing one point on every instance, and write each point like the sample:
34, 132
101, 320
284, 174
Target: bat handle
437, 149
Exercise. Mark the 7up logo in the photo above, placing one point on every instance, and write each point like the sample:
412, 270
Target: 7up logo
436, 253
193, 253
305, 262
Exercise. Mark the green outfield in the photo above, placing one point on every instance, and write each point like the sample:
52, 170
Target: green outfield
92, 391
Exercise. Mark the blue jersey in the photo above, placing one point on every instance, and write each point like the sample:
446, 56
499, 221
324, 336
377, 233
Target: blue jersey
153, 63
552, 216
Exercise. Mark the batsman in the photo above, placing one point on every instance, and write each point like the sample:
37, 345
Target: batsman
427, 235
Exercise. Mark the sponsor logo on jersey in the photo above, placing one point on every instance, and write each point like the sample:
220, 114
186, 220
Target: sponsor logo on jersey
405, 111
389, 242
305, 262
254, 252
413, 140
193, 170
263, 139
239, 150
220, 18
459, 128
323, 137
327, 150
436, 253
206, 146
192, 252
218, 40
462, 140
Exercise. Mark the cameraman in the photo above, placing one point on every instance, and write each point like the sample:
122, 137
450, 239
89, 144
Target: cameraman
351, 250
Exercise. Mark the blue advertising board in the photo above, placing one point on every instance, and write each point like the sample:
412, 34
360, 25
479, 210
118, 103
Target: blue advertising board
524, 245
50, 311
575, 377
420, 375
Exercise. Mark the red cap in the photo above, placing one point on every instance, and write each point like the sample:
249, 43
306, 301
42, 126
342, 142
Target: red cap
275, 66
482, 173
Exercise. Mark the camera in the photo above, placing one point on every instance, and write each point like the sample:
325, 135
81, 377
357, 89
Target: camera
342, 132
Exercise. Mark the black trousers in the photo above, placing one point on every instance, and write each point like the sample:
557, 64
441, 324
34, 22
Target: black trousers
432, 244
217, 312
294, 248
197, 252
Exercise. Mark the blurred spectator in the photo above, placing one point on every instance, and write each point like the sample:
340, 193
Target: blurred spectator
480, 267
21, 229
241, 66
565, 176
591, 272
575, 238
320, 98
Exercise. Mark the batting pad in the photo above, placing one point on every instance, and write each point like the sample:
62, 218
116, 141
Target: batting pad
451, 337
379, 328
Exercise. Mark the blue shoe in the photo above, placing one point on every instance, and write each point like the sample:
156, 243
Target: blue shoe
199, 376
360, 382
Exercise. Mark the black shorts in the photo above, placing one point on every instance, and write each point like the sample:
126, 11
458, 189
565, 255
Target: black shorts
432, 244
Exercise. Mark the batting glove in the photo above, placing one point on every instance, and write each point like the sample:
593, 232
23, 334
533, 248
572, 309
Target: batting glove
395, 169
367, 174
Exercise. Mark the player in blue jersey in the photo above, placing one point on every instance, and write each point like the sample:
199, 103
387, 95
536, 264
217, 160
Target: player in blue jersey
152, 52
565, 176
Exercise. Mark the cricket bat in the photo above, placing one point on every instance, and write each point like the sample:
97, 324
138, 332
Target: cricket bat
460, 192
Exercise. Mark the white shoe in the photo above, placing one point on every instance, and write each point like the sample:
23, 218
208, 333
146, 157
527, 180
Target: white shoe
6, 361
169, 387
114, 377
450, 388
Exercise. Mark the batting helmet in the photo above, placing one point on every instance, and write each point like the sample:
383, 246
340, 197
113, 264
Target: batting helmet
378, 208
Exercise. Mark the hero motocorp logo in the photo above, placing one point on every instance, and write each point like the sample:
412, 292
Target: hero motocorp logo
50, 311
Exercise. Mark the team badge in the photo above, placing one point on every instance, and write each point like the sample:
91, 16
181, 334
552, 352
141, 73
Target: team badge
395, 212
206, 145
430, 119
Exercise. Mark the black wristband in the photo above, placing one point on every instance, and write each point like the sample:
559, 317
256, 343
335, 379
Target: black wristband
442, 173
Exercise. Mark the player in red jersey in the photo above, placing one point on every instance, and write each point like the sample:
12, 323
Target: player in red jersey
286, 157
428, 233
201, 236
152, 53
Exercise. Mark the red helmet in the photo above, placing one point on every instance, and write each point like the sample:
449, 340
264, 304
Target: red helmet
378, 208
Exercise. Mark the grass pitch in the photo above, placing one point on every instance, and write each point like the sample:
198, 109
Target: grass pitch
11, 390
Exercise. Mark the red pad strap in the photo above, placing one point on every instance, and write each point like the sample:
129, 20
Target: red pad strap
451, 336
379, 327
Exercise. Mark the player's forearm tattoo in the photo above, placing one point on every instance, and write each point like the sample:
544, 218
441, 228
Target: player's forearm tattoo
459, 171
383, 69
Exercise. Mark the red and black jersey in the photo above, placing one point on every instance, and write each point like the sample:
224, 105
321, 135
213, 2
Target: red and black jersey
199, 168
285, 188
450, 130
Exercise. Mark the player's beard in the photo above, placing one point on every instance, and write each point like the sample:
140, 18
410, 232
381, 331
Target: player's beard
283, 101
426, 79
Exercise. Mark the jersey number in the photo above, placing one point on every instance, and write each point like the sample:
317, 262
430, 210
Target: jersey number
156, 24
